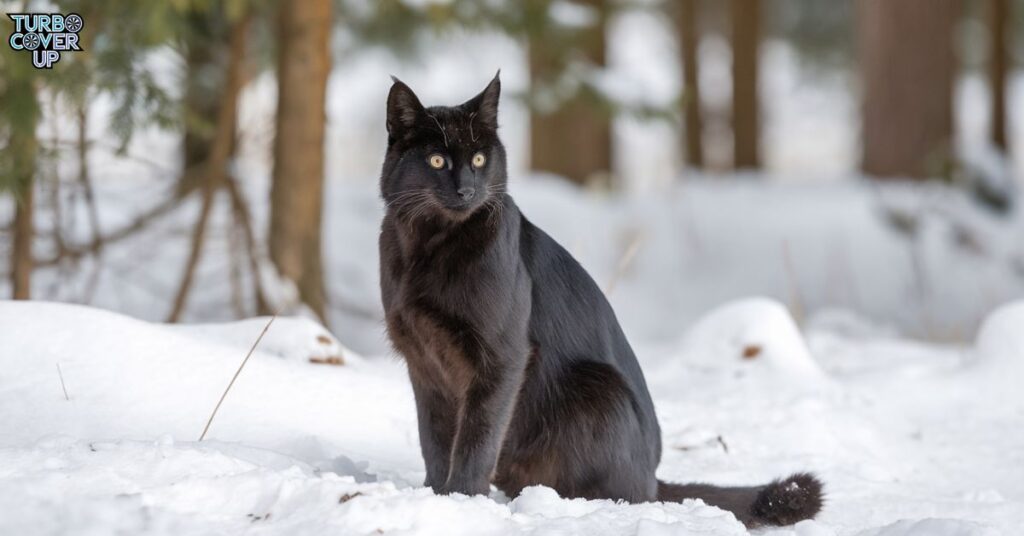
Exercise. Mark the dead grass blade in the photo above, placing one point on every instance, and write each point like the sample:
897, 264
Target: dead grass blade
235, 377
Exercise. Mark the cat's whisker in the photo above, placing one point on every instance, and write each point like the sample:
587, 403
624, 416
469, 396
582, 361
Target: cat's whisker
407, 199
399, 201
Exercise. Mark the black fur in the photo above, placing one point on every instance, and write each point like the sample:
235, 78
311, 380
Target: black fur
781, 502
520, 370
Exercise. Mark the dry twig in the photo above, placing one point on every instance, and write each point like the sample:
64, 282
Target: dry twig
235, 377
62, 386
624, 262
796, 301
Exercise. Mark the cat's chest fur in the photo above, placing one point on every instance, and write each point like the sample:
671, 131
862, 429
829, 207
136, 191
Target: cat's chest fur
455, 297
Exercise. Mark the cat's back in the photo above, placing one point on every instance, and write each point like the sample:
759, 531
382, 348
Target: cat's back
570, 312
571, 320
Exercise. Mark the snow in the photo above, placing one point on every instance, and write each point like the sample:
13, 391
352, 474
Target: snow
293, 338
121, 454
758, 330
166, 488
932, 527
306, 448
1000, 340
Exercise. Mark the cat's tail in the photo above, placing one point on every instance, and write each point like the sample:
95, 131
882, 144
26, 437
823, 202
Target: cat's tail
781, 502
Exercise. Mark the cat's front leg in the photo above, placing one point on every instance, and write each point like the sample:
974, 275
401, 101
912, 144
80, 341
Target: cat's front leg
483, 418
436, 416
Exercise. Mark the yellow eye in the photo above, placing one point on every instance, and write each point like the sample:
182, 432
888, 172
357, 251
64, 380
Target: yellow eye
436, 161
479, 160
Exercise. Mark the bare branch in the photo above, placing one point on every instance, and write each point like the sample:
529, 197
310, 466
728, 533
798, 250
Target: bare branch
195, 252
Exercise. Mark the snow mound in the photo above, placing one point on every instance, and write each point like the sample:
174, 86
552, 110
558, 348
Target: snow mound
131, 379
297, 448
296, 338
1000, 341
932, 527
753, 332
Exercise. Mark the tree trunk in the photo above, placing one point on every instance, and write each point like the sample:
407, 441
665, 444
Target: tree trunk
216, 155
907, 66
207, 55
746, 35
21, 150
296, 196
686, 21
999, 28
201, 101
24, 231
195, 253
575, 139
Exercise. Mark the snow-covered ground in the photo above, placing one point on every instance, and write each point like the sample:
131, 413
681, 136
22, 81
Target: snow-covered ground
911, 439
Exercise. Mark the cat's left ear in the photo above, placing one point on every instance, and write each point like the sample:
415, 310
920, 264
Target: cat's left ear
404, 109
485, 105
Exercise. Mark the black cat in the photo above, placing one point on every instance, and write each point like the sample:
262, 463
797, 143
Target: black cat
520, 370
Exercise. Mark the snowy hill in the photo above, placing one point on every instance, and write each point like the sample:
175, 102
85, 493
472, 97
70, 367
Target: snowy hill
302, 447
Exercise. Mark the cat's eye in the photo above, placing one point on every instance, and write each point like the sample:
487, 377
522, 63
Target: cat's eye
479, 160
436, 161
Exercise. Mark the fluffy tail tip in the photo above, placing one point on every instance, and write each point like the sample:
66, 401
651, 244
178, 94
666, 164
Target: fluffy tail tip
787, 501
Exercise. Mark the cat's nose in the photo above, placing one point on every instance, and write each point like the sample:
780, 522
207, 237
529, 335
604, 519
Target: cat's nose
467, 192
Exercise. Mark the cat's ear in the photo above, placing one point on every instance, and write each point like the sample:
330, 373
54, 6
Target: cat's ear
404, 108
485, 105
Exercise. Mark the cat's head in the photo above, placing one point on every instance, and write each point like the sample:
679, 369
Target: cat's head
442, 161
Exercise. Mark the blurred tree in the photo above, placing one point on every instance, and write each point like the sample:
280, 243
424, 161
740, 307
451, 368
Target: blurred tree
216, 40
570, 120
118, 39
212, 159
999, 28
206, 43
822, 33
19, 117
907, 69
746, 37
124, 33
296, 197
115, 41
689, 41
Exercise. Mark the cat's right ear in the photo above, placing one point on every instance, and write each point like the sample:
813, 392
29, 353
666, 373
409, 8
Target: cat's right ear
404, 109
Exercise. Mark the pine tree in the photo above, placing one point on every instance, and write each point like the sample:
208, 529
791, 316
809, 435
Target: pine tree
296, 197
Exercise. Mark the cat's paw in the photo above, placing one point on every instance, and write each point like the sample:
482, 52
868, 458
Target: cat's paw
464, 487
433, 482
